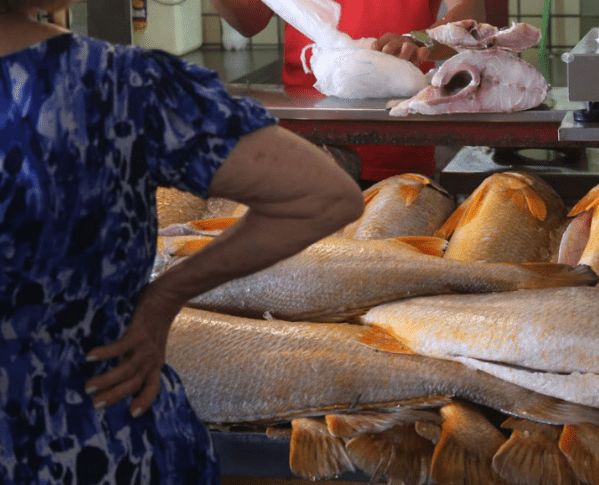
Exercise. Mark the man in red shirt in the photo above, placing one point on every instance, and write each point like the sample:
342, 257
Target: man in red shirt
385, 20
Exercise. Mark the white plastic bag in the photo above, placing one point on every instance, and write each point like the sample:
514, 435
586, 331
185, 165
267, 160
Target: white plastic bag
343, 66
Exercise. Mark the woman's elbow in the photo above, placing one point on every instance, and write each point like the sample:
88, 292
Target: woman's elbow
343, 205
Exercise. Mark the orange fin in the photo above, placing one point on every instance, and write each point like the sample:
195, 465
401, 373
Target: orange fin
191, 247
589, 202
350, 425
433, 246
216, 224
371, 194
465, 212
528, 200
409, 193
466, 447
416, 177
531, 455
580, 445
400, 455
383, 340
314, 454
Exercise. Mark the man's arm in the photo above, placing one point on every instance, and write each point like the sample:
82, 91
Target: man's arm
405, 48
248, 17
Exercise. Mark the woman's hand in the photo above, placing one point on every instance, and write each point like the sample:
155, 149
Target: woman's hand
140, 353
401, 46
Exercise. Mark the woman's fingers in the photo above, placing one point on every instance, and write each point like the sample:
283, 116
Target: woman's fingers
144, 399
117, 349
121, 391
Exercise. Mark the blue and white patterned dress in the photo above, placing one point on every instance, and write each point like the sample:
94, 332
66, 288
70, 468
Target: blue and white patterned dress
87, 133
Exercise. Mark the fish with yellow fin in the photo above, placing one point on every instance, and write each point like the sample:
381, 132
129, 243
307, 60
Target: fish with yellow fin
337, 279
403, 205
510, 217
580, 242
544, 340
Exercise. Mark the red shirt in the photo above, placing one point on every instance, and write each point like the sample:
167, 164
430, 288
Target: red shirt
371, 18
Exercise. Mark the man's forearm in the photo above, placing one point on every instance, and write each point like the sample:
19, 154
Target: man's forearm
248, 17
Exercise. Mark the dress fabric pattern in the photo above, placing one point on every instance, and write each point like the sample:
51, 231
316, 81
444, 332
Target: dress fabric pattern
87, 132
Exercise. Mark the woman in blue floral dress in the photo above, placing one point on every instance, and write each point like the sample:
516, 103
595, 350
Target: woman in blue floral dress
87, 132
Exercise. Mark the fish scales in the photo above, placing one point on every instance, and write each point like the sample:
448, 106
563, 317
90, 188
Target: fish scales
238, 370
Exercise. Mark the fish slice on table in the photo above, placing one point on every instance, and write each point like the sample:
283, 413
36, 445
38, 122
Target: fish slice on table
402, 205
511, 217
580, 242
337, 279
485, 81
470, 34
238, 370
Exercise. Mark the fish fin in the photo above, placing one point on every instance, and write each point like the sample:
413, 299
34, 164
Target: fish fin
215, 224
464, 213
433, 246
399, 454
580, 445
549, 410
371, 194
416, 177
382, 339
528, 200
191, 247
428, 430
531, 456
466, 447
314, 454
452, 463
350, 425
589, 202
409, 193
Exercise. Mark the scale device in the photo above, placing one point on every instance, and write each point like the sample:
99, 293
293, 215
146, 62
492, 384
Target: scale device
583, 71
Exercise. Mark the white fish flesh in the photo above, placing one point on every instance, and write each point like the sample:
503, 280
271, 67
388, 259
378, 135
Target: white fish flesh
490, 80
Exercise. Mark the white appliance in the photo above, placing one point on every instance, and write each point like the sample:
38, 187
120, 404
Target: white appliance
174, 26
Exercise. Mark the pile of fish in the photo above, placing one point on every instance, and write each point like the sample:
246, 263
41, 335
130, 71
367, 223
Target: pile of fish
485, 76
406, 394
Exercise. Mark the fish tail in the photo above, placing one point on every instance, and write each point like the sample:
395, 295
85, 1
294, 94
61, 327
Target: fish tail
399, 454
548, 275
532, 458
314, 454
582, 456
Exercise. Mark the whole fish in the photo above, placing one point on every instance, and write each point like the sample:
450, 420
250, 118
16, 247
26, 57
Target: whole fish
336, 279
511, 217
238, 370
553, 330
470, 34
487, 81
583, 232
402, 205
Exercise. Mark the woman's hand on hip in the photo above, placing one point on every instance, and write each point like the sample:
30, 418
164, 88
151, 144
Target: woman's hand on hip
140, 353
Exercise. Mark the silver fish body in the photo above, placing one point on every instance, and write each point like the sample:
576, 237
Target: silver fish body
339, 278
240, 370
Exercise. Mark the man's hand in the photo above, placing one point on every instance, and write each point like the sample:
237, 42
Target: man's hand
401, 46
140, 353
